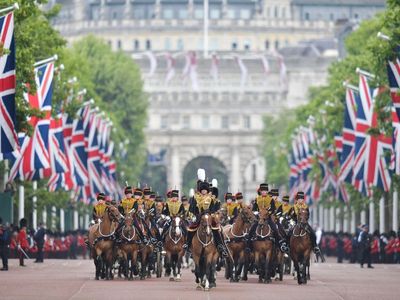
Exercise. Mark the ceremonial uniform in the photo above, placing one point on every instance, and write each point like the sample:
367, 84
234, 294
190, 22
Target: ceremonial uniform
100, 207
230, 207
22, 241
286, 208
173, 208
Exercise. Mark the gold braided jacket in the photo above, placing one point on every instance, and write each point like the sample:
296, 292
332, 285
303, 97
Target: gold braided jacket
203, 201
230, 208
100, 208
173, 207
148, 203
299, 206
286, 207
263, 202
127, 204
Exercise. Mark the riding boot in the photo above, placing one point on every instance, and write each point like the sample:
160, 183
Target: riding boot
220, 245
139, 231
249, 238
282, 243
313, 238
189, 238
158, 236
149, 233
165, 230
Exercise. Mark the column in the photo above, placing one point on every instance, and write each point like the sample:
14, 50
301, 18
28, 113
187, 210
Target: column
321, 215
371, 216
315, 214
235, 171
326, 219
157, 9
44, 215
332, 219
338, 219
382, 215
53, 218
353, 220
346, 219
21, 202
62, 220
86, 224
34, 204
395, 220
174, 178
76, 220
363, 217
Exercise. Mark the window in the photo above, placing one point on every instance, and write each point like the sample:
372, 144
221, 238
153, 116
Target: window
95, 12
234, 46
225, 122
247, 122
254, 172
183, 13
186, 122
275, 12
245, 14
198, 13
307, 16
164, 122
331, 17
283, 12
119, 44
168, 13
205, 122
179, 44
136, 45
148, 45
266, 45
110, 44
246, 45
276, 44
114, 15
167, 44
355, 16
215, 13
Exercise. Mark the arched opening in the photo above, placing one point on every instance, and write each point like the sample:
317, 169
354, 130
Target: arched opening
214, 169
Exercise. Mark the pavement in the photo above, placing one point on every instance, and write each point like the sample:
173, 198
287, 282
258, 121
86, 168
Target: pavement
74, 279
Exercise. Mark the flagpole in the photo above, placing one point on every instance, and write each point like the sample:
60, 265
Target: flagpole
6, 169
365, 73
46, 61
382, 214
34, 202
21, 201
371, 216
395, 220
13, 7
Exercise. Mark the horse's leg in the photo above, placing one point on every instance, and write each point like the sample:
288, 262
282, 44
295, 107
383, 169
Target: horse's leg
144, 264
172, 268
308, 269
207, 273
227, 268
197, 271
246, 261
167, 264
240, 264
178, 265
267, 266
97, 266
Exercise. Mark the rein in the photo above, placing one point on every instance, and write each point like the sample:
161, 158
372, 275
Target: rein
205, 244
259, 231
133, 236
302, 232
172, 239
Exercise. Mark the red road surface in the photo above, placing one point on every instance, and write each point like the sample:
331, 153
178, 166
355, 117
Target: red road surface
74, 279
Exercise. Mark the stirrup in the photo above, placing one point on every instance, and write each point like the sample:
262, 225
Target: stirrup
185, 246
317, 250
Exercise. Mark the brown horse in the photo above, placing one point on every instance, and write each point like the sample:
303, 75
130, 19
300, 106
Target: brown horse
301, 247
205, 254
264, 247
235, 239
101, 241
174, 241
129, 245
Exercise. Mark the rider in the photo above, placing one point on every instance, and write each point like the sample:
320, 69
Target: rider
231, 207
286, 207
265, 201
100, 207
301, 204
173, 208
201, 203
186, 206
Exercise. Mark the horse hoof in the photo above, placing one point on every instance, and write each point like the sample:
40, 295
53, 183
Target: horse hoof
97, 278
199, 287
206, 289
171, 279
232, 280
244, 278
178, 280
213, 285
260, 280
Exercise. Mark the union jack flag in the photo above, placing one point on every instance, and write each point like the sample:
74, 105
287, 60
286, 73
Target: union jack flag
393, 70
34, 158
8, 134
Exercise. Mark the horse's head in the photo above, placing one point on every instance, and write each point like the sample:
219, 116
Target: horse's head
205, 223
247, 215
113, 213
263, 216
302, 216
129, 218
177, 224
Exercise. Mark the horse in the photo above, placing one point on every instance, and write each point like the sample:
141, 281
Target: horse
101, 241
301, 247
264, 247
129, 244
173, 245
205, 254
235, 239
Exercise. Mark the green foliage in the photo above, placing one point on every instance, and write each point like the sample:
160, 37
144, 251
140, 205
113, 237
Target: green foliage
365, 51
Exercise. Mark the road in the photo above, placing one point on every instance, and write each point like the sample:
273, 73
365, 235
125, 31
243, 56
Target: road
74, 279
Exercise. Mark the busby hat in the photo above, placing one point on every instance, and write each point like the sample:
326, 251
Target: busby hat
128, 190
152, 195
159, 199
101, 196
174, 193
146, 191
300, 195
169, 194
239, 196
285, 198
228, 196
274, 192
214, 191
138, 192
263, 187
23, 222
204, 185
184, 198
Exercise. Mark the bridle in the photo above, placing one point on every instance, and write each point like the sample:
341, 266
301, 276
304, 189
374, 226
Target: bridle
208, 232
177, 221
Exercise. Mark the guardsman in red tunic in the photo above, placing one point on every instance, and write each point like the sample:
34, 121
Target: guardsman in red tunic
22, 241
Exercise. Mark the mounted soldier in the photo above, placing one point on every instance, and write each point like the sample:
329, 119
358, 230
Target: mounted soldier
99, 208
300, 204
230, 207
173, 208
205, 202
265, 201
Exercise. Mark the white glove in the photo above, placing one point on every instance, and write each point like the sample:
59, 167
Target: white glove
194, 219
163, 217
256, 213
168, 218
